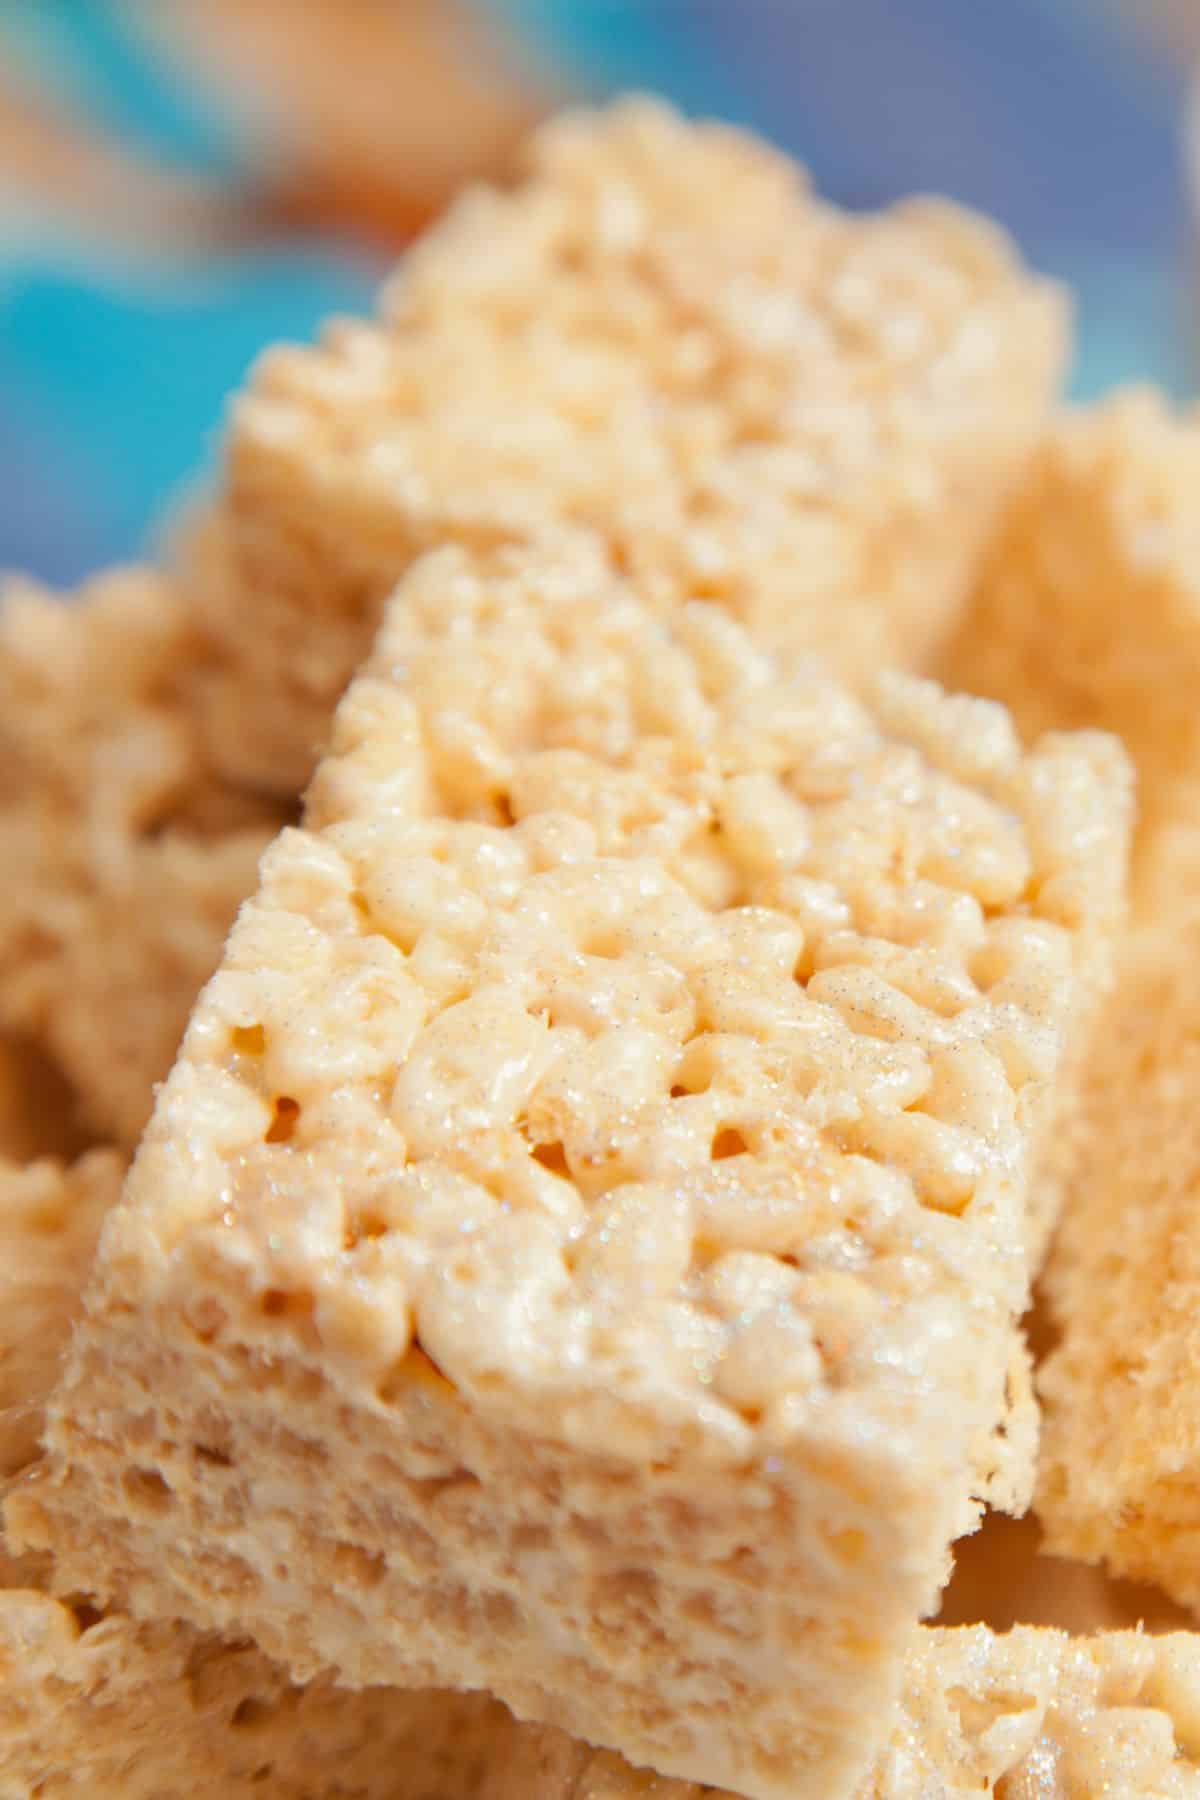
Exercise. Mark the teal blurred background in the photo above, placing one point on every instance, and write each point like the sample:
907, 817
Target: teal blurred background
175, 193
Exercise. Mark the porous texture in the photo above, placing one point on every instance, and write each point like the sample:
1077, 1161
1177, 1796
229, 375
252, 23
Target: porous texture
1120, 1477
1032, 1715
578, 1249
1087, 609
660, 334
133, 855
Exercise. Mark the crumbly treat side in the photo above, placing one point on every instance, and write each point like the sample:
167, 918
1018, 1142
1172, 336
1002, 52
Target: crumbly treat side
1087, 609
1120, 1478
133, 855
660, 334
577, 1252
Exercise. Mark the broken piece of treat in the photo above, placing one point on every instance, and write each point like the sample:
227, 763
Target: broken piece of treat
133, 855
806, 416
578, 1251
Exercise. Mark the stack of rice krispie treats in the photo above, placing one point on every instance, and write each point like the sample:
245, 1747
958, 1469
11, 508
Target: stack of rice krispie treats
565, 1303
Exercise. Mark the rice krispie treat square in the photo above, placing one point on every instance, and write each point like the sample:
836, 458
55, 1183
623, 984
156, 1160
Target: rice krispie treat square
805, 416
133, 855
1120, 1474
1087, 609
577, 1253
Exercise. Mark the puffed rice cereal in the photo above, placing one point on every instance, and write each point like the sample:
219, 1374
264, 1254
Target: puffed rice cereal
578, 1250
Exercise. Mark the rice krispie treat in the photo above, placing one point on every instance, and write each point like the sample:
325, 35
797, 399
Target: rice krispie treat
805, 416
1120, 1477
1087, 611
1032, 1715
126, 1711
133, 855
577, 1252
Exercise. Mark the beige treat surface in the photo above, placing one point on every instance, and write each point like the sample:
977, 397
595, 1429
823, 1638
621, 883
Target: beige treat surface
805, 416
1120, 1478
133, 856
1087, 611
578, 1251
